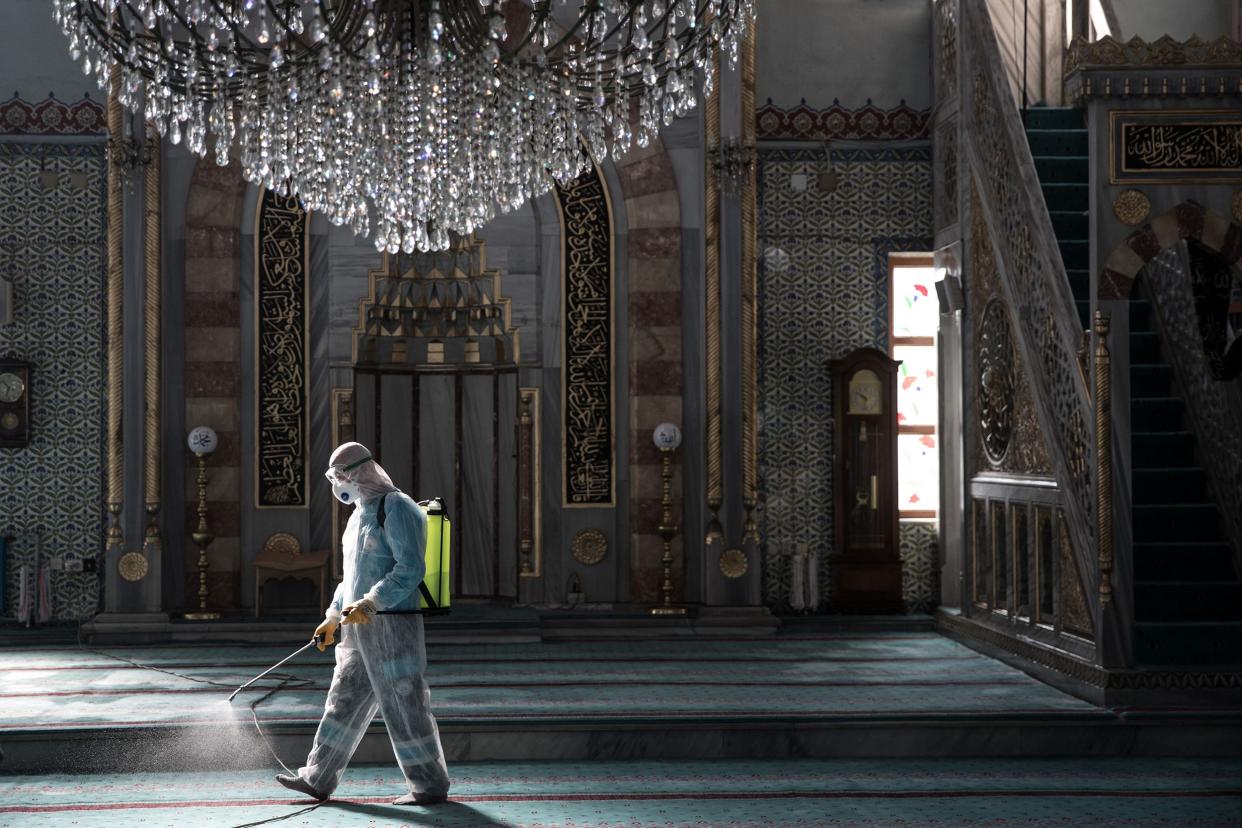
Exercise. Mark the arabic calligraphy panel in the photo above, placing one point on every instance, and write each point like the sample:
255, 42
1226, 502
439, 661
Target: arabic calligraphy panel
1178, 146
281, 264
588, 428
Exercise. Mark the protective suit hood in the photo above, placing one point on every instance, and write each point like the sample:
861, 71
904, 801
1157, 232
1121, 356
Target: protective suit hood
369, 477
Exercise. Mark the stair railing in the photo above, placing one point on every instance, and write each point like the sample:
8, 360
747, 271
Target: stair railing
1214, 407
1032, 278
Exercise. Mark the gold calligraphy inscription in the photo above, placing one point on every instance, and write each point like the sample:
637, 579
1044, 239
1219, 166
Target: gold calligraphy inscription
588, 335
1158, 148
280, 336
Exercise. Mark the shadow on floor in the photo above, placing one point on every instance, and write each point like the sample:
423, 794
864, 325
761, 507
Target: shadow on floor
448, 815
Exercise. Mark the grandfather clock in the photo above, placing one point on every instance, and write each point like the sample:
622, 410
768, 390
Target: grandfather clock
868, 572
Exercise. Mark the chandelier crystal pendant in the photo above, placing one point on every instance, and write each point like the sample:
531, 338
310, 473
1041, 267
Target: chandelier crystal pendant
424, 116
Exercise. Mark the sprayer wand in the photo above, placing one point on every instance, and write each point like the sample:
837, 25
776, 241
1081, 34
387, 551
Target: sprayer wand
316, 640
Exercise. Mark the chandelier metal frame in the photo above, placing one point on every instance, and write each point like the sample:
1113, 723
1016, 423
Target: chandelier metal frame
422, 117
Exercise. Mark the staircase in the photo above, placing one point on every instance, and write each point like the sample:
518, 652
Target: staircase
1058, 140
1187, 596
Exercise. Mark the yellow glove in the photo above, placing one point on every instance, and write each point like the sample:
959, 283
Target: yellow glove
359, 612
328, 630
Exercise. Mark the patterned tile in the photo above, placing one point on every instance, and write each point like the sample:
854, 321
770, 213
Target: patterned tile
823, 275
52, 247
920, 570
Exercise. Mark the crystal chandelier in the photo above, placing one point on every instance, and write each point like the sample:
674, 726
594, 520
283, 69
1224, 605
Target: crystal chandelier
422, 116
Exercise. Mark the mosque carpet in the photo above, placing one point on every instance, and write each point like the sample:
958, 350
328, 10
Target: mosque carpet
832, 676
910, 793
900, 694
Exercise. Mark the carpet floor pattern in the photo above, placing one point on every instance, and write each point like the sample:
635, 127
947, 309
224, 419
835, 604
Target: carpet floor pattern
911, 793
844, 676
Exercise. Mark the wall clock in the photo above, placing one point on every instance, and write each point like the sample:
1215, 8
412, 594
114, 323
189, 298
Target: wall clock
14, 403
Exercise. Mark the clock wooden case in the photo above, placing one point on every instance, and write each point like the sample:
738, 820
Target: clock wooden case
14, 403
864, 393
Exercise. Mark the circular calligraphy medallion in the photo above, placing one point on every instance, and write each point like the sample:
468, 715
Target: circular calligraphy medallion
133, 566
589, 546
1131, 207
733, 563
996, 382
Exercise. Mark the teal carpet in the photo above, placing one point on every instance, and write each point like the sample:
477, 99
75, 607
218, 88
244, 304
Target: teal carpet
923, 793
845, 676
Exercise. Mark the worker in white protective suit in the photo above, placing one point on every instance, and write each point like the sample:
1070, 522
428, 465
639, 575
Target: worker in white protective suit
381, 657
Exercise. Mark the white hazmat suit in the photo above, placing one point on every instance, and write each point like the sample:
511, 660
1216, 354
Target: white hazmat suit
381, 658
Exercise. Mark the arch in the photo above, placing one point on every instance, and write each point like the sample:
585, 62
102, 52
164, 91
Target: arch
1188, 221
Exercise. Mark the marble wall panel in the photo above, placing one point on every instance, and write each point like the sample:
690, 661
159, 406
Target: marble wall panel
213, 377
395, 442
507, 487
476, 525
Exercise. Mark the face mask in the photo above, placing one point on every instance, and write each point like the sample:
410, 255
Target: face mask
346, 491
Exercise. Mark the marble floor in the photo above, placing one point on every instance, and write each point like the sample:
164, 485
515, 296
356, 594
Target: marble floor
912, 793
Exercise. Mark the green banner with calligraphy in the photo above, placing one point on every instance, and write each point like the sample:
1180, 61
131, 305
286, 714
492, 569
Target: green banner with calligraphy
1183, 146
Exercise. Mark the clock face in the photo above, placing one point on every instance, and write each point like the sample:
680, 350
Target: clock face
11, 387
866, 394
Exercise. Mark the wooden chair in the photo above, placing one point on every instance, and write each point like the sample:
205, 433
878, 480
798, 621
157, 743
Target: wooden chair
282, 557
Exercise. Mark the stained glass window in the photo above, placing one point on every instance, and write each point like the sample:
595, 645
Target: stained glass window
916, 312
918, 472
916, 384
915, 324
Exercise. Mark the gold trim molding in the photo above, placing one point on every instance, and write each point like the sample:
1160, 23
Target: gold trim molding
750, 299
532, 558
712, 334
1104, 456
115, 538
152, 312
1162, 53
1164, 68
